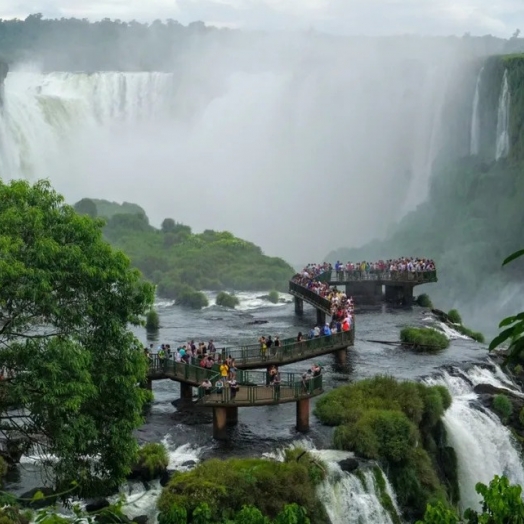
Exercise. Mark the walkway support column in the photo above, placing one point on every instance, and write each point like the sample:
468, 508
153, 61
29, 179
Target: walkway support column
303, 415
407, 298
299, 306
220, 423
186, 392
232, 416
341, 356
321, 317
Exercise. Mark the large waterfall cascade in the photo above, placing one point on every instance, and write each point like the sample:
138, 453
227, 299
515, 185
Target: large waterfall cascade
475, 120
503, 113
484, 446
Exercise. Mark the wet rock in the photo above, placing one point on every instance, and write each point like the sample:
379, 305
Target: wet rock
166, 477
488, 389
94, 505
141, 519
189, 463
349, 465
49, 498
257, 322
443, 317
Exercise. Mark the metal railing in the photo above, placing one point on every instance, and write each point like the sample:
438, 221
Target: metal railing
290, 350
256, 391
408, 277
310, 296
185, 372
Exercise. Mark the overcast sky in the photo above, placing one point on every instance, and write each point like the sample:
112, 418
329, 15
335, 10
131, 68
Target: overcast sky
372, 17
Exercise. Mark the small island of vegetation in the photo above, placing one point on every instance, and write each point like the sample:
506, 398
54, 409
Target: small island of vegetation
180, 262
423, 339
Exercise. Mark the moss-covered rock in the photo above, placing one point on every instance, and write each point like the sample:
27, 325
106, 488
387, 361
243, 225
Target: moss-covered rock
151, 463
423, 339
424, 301
226, 486
394, 422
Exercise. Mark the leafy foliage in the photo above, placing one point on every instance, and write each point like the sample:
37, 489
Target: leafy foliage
153, 457
423, 339
228, 486
152, 320
387, 420
503, 406
181, 262
514, 328
424, 301
502, 504
273, 296
226, 300
71, 363
454, 316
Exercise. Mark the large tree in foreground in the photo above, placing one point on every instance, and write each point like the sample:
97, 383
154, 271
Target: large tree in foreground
70, 365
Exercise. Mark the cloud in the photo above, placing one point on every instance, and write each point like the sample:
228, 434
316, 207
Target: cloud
373, 17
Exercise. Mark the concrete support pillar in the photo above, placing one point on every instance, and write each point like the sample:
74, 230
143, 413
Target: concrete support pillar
232, 416
341, 356
321, 318
186, 391
303, 415
220, 423
407, 298
299, 306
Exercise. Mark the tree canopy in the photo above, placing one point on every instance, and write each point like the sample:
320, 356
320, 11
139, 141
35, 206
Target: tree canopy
70, 366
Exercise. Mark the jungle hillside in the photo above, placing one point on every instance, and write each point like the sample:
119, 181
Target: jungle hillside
178, 260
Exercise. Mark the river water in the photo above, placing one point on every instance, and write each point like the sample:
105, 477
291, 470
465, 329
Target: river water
265, 430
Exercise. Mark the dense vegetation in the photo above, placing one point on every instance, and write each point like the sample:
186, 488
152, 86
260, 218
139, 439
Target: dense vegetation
501, 504
423, 339
397, 424
473, 214
72, 366
226, 300
227, 486
180, 262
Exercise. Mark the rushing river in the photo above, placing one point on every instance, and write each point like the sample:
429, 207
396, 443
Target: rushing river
265, 430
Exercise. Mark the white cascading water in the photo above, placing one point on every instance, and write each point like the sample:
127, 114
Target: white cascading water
475, 120
484, 446
362, 126
347, 497
502, 146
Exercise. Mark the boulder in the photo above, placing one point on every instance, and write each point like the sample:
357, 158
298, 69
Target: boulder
141, 519
488, 389
257, 322
166, 477
349, 465
49, 498
94, 505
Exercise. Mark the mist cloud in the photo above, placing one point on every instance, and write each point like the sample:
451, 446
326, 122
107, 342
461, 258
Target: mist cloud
370, 17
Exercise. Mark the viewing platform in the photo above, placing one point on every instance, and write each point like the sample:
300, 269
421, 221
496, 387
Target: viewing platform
254, 385
366, 288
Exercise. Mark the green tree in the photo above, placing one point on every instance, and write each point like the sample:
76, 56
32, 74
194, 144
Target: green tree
514, 332
168, 225
71, 364
86, 207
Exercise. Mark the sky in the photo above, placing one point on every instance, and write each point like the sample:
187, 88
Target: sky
370, 17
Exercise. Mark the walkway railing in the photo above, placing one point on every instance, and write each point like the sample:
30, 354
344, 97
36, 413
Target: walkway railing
289, 351
408, 277
184, 372
310, 297
253, 390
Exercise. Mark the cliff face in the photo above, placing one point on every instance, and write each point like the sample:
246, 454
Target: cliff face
473, 216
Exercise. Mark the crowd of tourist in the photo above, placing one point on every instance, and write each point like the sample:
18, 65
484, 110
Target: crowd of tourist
390, 268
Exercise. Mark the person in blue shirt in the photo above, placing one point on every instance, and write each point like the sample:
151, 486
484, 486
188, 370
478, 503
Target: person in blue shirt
326, 331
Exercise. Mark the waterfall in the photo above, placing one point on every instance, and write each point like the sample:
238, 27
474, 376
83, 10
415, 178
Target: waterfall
484, 446
475, 120
502, 146
350, 497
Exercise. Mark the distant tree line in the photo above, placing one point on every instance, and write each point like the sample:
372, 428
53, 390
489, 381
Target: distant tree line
72, 44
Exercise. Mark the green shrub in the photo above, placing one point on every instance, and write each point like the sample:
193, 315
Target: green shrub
503, 406
521, 417
423, 339
152, 320
153, 457
454, 316
518, 370
273, 296
475, 335
424, 301
393, 422
228, 486
226, 300
192, 299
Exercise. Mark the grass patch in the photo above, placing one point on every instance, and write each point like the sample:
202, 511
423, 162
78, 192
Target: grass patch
454, 316
423, 339
503, 406
153, 457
